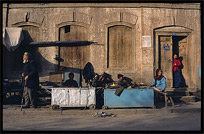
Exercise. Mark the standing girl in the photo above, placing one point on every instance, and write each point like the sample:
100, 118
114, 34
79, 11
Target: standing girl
177, 79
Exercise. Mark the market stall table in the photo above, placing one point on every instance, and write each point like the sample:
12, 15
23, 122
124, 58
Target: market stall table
134, 97
73, 97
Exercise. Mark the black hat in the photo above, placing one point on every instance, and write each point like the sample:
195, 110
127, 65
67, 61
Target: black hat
120, 75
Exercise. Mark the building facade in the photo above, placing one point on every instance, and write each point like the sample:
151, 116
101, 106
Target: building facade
133, 39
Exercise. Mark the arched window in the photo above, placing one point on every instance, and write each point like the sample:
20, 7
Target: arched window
73, 32
75, 56
120, 47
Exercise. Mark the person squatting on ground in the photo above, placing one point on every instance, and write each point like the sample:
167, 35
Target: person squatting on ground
71, 82
30, 81
177, 76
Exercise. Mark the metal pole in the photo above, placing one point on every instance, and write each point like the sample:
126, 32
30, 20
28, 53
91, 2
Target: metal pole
58, 67
7, 12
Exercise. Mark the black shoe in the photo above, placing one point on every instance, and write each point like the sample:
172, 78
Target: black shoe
26, 107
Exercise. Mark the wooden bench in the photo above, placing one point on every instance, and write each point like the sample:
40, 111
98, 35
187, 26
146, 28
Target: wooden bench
168, 99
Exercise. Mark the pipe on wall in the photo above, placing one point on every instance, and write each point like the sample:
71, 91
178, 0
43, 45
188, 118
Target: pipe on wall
7, 13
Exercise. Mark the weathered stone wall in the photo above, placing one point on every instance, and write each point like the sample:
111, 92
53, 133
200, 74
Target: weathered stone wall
154, 18
145, 16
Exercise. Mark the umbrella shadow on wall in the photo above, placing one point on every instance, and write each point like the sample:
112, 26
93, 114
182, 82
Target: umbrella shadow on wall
13, 66
12, 57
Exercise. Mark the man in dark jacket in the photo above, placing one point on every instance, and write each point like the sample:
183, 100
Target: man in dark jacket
126, 82
31, 81
71, 82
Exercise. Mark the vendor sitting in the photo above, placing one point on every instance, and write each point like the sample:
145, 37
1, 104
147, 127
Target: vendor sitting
71, 82
159, 81
123, 81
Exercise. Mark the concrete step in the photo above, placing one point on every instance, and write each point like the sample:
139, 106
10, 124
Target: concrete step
180, 93
184, 98
193, 90
198, 95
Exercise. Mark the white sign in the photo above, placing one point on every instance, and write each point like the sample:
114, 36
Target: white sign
146, 41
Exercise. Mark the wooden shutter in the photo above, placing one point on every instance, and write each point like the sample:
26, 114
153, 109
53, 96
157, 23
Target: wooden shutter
73, 32
120, 48
75, 56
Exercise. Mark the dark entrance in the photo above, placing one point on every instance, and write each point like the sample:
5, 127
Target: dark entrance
177, 40
168, 45
180, 48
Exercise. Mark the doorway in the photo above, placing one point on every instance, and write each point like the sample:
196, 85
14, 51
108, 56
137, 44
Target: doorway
168, 45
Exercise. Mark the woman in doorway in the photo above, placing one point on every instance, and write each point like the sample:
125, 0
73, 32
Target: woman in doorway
159, 81
177, 79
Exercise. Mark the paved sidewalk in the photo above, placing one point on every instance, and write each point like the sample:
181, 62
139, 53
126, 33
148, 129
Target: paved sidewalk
194, 107
183, 117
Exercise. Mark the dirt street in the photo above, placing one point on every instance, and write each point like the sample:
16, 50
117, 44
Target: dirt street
79, 119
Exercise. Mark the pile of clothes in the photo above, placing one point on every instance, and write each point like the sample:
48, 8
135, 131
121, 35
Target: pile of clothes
94, 79
103, 80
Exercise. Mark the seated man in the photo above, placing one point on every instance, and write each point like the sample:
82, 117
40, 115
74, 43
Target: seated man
125, 82
71, 82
